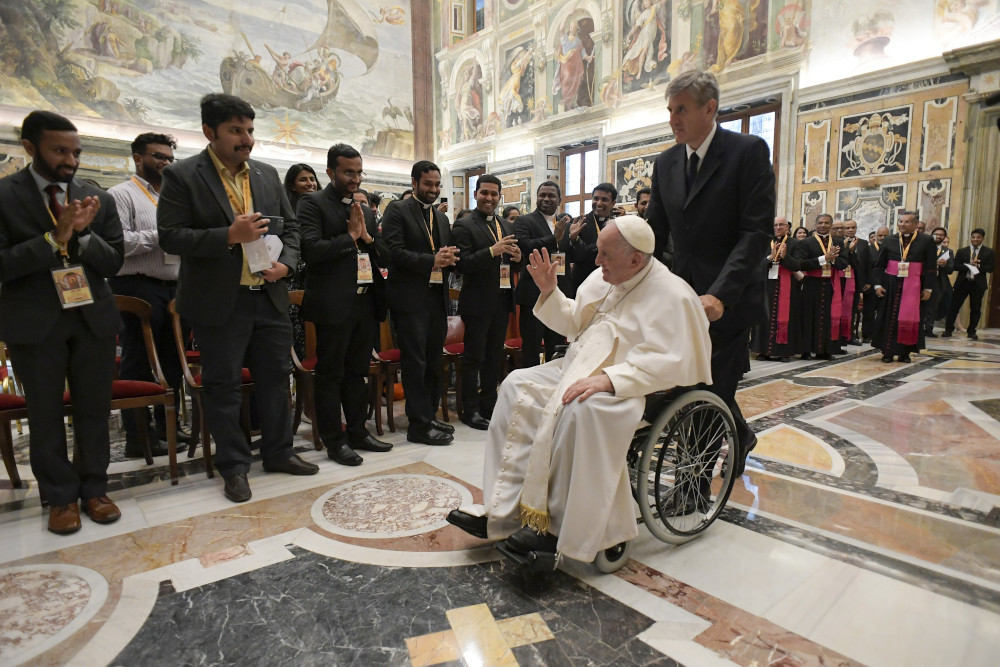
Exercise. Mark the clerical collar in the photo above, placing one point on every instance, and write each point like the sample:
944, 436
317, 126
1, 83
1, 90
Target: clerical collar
346, 200
41, 182
423, 205
599, 218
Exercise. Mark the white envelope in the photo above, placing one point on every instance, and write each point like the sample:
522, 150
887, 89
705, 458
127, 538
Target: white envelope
257, 255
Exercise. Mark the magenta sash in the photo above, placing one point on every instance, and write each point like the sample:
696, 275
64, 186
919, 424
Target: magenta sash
835, 305
908, 327
784, 304
847, 310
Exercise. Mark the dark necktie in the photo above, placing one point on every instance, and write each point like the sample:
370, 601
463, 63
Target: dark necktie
692, 171
54, 204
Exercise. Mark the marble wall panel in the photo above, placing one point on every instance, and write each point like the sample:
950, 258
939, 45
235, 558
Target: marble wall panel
871, 208
933, 202
875, 143
633, 174
813, 203
817, 144
937, 148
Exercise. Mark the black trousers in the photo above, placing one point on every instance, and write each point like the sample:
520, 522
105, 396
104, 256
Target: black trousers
869, 313
965, 288
135, 364
729, 362
533, 334
262, 335
70, 351
343, 353
482, 358
421, 335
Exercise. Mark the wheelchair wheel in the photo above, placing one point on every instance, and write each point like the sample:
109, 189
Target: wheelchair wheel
685, 472
613, 558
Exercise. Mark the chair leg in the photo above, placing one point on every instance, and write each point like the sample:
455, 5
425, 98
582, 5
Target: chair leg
196, 423
389, 385
299, 400
144, 435
170, 414
7, 451
375, 393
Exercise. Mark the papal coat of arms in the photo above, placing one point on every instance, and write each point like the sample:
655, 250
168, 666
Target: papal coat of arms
874, 143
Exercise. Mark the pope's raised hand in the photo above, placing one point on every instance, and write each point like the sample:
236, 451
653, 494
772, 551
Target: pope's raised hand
543, 271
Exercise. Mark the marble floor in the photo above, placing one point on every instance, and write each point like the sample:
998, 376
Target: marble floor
865, 531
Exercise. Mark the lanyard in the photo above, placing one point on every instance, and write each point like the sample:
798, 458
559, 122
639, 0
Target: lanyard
784, 238
829, 243
234, 198
498, 233
146, 192
902, 250
429, 228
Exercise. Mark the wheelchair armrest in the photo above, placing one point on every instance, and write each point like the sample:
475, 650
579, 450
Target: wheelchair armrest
658, 400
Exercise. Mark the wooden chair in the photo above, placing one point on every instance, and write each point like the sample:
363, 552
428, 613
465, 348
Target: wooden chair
452, 359
190, 361
12, 408
388, 365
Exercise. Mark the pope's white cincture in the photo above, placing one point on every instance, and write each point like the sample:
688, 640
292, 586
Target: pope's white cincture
555, 455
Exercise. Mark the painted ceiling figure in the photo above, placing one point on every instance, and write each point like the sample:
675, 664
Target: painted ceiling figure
510, 96
641, 40
569, 65
731, 16
470, 106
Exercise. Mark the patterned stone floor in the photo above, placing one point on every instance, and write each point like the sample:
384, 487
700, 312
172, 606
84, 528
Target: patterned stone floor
866, 530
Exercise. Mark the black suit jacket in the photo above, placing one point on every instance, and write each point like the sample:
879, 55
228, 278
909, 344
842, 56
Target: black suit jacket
193, 219
808, 251
331, 257
29, 303
987, 263
411, 257
860, 264
944, 270
533, 233
722, 228
480, 270
582, 252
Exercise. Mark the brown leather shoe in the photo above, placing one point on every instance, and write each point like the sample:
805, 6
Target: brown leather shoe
101, 510
64, 519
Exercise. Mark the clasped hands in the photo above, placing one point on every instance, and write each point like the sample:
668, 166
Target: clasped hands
75, 217
507, 246
446, 255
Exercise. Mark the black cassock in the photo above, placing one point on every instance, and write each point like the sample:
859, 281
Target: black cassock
782, 290
920, 251
817, 297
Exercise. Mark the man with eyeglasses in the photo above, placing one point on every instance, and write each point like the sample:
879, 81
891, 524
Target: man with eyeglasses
345, 299
151, 275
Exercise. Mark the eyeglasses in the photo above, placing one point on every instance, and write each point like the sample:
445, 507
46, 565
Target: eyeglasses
160, 157
351, 175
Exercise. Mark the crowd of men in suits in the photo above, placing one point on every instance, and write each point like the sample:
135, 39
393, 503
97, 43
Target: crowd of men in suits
828, 289
216, 234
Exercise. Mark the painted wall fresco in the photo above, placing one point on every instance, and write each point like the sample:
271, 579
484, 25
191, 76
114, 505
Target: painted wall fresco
574, 66
469, 102
517, 91
315, 70
646, 41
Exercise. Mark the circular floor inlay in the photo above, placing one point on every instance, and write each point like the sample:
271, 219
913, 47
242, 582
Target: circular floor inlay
40, 605
389, 505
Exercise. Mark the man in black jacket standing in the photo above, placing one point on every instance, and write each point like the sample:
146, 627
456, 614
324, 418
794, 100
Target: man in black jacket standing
489, 257
345, 299
969, 284
581, 248
713, 195
418, 237
541, 228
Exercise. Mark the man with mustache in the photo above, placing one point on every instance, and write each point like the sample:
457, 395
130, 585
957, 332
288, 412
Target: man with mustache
52, 224
148, 274
212, 206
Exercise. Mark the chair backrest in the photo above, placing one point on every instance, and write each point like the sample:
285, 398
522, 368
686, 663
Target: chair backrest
295, 297
141, 309
175, 318
456, 330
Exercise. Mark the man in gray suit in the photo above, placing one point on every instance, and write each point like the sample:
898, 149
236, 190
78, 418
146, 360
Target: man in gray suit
211, 206
60, 239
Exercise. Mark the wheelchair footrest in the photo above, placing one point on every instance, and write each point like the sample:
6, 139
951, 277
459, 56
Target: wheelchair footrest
534, 561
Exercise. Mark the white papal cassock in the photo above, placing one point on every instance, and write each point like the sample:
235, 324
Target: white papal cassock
647, 334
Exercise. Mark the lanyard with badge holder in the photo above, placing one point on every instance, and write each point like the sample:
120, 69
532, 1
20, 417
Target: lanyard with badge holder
558, 258
504, 264
437, 275
70, 280
903, 268
827, 269
365, 273
167, 258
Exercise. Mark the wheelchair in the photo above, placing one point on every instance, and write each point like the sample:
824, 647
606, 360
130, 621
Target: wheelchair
681, 462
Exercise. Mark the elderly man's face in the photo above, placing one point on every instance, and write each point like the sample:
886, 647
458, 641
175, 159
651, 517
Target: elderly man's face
616, 258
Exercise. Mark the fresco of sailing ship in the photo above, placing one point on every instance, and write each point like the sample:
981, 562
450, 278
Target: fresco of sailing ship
307, 80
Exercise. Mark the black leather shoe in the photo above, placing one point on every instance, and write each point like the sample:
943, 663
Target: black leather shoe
904, 359
343, 454
370, 444
973, 336
182, 436
805, 356
946, 333
473, 525
237, 488
930, 334
526, 539
886, 359
442, 426
431, 436
293, 465
476, 421
854, 341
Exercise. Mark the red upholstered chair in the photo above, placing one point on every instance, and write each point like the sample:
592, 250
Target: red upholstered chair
452, 359
513, 358
132, 394
388, 364
12, 407
190, 364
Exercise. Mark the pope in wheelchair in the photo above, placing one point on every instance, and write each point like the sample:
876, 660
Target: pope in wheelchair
556, 479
